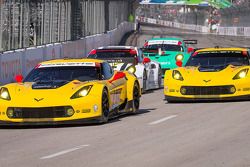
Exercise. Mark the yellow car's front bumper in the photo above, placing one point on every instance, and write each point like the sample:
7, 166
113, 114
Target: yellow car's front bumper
83, 112
179, 92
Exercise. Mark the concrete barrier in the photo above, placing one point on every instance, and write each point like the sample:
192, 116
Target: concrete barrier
22, 61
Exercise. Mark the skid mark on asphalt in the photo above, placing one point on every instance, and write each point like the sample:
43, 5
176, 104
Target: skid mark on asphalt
162, 120
64, 152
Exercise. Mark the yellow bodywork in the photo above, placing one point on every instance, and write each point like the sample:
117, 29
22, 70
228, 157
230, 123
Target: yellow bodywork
23, 96
192, 77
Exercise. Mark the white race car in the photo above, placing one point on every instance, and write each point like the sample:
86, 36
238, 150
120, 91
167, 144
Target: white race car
121, 58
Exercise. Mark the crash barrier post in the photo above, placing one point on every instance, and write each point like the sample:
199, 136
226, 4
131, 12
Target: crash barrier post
22, 61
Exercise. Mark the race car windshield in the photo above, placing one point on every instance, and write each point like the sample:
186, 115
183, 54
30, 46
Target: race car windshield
218, 59
165, 47
63, 74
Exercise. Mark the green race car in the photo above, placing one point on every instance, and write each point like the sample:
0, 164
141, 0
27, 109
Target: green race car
169, 52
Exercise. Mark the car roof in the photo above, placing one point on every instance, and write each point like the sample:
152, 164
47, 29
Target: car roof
73, 60
116, 47
221, 49
168, 38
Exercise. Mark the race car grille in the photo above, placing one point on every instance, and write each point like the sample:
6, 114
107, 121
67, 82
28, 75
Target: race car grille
207, 90
45, 112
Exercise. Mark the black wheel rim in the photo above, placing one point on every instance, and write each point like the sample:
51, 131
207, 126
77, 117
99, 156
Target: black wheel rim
136, 97
105, 105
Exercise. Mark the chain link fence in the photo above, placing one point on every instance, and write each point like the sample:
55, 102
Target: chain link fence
235, 16
26, 23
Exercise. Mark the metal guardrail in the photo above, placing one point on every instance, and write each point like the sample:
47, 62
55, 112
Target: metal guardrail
227, 31
235, 16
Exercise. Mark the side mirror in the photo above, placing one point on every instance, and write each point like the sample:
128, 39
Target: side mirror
146, 60
189, 50
19, 78
179, 63
117, 76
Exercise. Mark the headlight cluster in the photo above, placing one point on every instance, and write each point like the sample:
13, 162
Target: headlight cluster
177, 75
131, 69
4, 94
82, 92
241, 74
179, 57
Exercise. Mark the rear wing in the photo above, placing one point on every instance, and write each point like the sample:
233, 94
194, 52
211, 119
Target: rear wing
190, 42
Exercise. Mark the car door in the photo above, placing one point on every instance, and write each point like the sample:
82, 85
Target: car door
117, 86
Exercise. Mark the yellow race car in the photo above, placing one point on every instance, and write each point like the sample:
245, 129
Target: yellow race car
69, 91
210, 74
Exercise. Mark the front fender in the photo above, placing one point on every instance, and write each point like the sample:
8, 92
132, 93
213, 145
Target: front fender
131, 80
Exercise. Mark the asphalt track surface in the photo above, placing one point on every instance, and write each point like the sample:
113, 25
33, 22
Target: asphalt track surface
160, 135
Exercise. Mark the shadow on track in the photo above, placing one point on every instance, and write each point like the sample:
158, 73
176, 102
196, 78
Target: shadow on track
206, 102
111, 120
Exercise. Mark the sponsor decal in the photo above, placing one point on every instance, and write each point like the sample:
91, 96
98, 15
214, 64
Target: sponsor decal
68, 64
206, 81
38, 99
170, 42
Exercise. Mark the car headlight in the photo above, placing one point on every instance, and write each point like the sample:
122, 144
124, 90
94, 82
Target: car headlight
179, 57
131, 69
82, 92
4, 94
241, 74
177, 75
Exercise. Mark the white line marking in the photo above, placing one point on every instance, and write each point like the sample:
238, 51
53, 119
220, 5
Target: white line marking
64, 152
162, 120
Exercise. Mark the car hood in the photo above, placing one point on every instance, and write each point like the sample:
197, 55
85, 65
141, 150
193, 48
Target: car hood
24, 93
210, 76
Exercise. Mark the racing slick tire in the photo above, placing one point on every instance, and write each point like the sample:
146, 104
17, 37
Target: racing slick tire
159, 77
144, 86
105, 107
136, 97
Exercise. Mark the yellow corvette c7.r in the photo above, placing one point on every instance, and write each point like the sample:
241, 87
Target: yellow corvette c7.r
210, 74
69, 91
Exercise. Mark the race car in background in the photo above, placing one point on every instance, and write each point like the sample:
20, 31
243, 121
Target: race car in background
210, 74
169, 52
126, 58
69, 91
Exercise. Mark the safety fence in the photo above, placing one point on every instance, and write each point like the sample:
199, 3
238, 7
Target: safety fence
21, 61
198, 28
27, 23
228, 31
